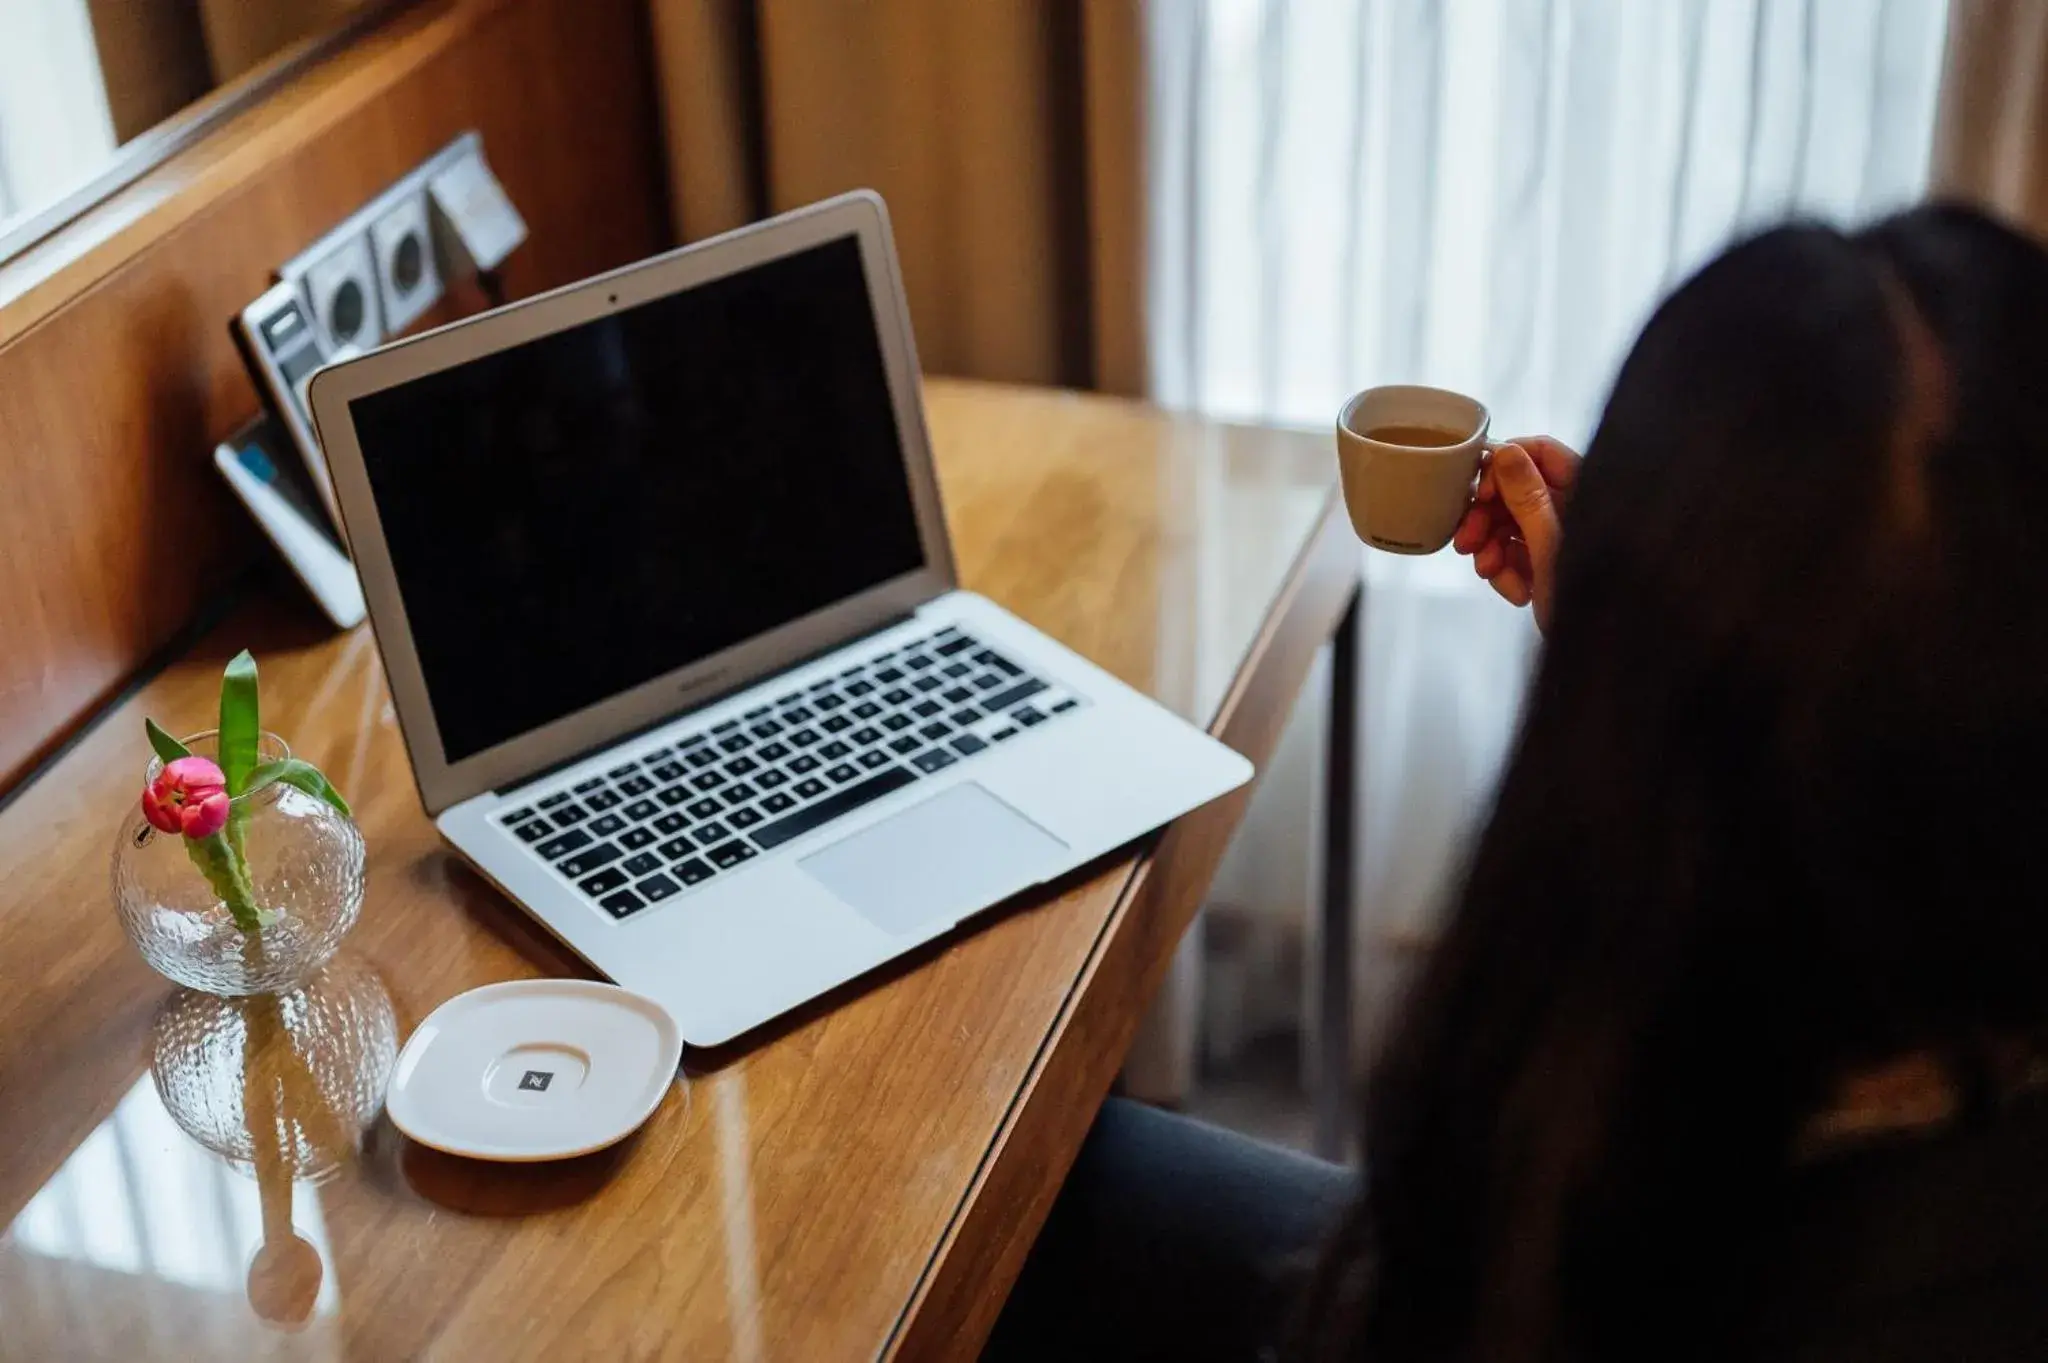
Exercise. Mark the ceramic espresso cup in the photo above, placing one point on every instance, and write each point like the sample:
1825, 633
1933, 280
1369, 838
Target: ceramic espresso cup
1409, 457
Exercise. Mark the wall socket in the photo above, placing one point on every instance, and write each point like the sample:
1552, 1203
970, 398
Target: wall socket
386, 264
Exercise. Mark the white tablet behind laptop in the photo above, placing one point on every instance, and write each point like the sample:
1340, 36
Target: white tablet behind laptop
662, 584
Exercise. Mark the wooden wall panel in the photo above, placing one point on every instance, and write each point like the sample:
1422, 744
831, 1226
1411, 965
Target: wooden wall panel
117, 376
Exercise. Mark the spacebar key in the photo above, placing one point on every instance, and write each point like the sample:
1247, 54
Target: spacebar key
831, 807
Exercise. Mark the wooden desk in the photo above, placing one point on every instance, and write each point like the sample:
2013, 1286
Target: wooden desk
861, 1179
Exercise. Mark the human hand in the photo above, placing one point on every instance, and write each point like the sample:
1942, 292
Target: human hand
1511, 529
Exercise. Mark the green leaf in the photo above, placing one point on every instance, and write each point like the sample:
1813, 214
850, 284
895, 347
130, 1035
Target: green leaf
239, 724
165, 747
302, 775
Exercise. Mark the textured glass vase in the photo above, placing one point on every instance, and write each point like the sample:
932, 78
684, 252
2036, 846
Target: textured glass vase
306, 867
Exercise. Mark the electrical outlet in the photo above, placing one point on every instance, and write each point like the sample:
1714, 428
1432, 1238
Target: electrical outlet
408, 276
341, 288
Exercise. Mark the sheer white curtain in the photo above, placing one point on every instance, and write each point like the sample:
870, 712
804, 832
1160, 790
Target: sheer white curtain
55, 130
1488, 195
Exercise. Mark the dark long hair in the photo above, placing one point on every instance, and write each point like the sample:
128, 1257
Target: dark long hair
1774, 811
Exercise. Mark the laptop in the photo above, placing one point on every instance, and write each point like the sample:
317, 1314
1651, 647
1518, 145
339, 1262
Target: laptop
663, 588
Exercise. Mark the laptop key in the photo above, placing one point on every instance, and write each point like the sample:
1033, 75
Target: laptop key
624, 902
532, 831
847, 798
708, 780
757, 712
859, 688
589, 859
1023, 690
701, 757
633, 839
705, 808
1065, 705
967, 745
874, 757
1007, 731
888, 675
803, 738
965, 716
834, 750
933, 731
865, 736
929, 683
606, 824
560, 797
514, 816
797, 714
743, 818
893, 723
829, 702
706, 834
804, 762
779, 801
657, 754
675, 849
602, 799
725, 726
867, 709
989, 681
636, 785
569, 814
640, 811
1027, 716
673, 822
728, 855
642, 864
674, 795
906, 745
917, 662
772, 752
931, 760
736, 743
656, 888
771, 778
667, 771
896, 695
555, 848
925, 709
835, 724
738, 794
693, 871
767, 728
957, 643
841, 774
810, 787
957, 670
740, 766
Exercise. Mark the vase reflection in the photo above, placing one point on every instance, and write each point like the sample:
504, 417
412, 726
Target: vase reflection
283, 1086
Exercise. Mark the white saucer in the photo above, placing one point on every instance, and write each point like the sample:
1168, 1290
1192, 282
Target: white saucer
534, 1070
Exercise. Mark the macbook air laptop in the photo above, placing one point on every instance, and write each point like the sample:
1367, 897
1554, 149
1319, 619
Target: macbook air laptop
663, 589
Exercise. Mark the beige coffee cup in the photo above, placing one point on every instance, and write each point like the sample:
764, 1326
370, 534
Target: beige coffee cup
1405, 495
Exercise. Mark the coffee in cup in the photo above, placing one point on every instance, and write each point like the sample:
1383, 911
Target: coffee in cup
1409, 457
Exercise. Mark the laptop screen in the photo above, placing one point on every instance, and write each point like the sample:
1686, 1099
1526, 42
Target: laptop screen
571, 517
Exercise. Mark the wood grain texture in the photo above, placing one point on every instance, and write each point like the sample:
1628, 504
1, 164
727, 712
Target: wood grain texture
860, 1177
117, 376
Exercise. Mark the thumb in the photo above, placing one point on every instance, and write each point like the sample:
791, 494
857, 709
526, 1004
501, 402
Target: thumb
1527, 498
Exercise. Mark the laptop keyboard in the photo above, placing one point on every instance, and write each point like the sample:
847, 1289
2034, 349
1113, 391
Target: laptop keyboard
683, 813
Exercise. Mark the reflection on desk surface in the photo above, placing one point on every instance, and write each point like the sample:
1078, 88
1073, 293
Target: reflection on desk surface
199, 1186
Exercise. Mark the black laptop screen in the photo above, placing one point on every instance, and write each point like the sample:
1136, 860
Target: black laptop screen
577, 515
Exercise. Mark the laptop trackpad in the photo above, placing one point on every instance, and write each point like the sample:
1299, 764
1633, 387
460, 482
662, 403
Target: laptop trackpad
955, 853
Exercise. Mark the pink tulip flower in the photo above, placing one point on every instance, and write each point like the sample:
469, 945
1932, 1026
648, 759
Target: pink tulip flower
189, 796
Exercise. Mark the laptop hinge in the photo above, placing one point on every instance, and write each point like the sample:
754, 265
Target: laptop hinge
546, 773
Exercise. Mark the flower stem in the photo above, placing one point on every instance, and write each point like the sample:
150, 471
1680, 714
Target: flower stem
218, 861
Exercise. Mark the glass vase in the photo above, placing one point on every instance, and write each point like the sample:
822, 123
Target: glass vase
305, 862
